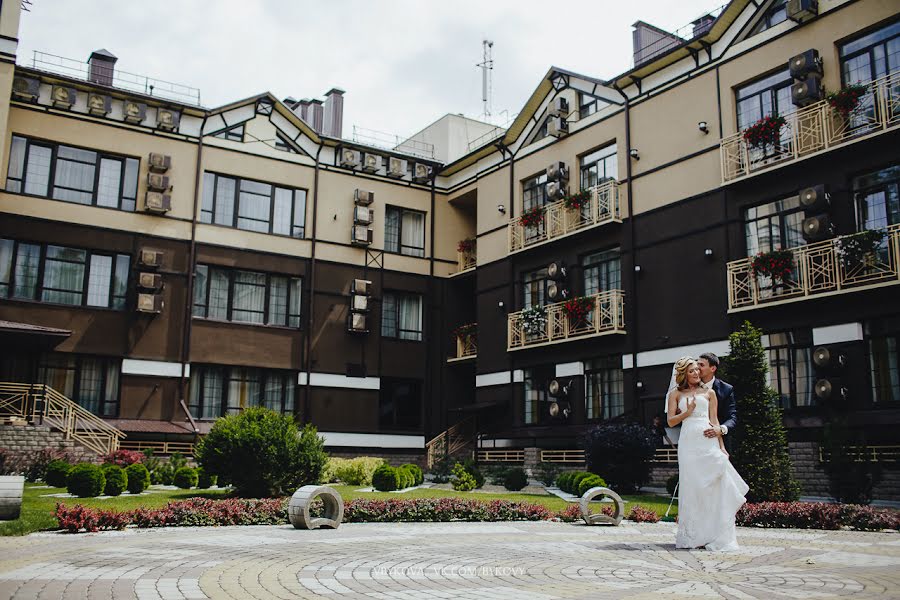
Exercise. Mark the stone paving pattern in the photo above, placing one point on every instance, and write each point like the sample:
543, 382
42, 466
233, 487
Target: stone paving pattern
406, 561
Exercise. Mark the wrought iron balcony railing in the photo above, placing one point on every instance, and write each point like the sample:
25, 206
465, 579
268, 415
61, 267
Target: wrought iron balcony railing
466, 346
559, 221
606, 317
815, 128
818, 270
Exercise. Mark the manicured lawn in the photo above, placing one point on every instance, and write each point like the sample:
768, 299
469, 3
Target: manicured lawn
37, 509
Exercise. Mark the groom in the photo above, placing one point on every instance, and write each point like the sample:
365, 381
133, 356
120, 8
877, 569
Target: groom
709, 364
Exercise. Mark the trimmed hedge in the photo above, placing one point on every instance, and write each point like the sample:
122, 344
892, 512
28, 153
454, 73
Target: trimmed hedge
462, 480
591, 481
418, 476
515, 479
57, 473
86, 480
353, 471
138, 478
386, 479
116, 480
186, 478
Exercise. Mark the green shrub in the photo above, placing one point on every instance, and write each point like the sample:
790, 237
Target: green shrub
386, 478
116, 480
440, 470
353, 471
671, 482
57, 473
495, 474
418, 476
86, 480
462, 480
186, 478
564, 480
138, 478
591, 481
575, 484
474, 471
547, 473
622, 452
515, 479
262, 453
205, 480
163, 474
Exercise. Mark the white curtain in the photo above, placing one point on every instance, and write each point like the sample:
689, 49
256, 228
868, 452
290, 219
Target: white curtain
413, 233
249, 297
411, 317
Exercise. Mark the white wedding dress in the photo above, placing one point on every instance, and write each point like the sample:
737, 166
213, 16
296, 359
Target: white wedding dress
710, 491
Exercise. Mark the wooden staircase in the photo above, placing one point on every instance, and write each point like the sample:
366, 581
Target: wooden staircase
40, 404
458, 440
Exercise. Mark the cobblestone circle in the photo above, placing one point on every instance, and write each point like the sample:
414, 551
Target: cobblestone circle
406, 561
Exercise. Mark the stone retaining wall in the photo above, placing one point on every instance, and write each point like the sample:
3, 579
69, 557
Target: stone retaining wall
31, 438
814, 482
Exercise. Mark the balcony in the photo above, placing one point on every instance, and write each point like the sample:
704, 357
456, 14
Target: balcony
559, 221
466, 338
818, 271
466, 256
606, 317
815, 129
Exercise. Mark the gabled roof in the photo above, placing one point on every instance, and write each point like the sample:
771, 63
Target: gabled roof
277, 105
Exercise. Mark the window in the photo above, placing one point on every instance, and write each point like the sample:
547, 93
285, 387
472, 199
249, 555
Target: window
884, 368
775, 14
235, 133
282, 144
602, 271
768, 96
401, 316
588, 105
599, 166
217, 391
90, 381
534, 288
62, 275
878, 198
252, 205
247, 296
791, 371
72, 174
400, 404
871, 56
404, 231
604, 388
774, 226
535, 394
534, 192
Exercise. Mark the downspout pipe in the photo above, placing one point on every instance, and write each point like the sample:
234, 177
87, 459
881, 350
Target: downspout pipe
312, 289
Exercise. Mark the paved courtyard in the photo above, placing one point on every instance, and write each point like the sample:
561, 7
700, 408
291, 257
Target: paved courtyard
518, 561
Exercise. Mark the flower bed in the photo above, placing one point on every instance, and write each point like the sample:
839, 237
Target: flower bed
817, 515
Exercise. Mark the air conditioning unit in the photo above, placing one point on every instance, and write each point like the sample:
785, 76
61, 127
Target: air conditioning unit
135, 112
359, 303
371, 162
350, 158
802, 10
159, 163
805, 64
150, 281
99, 105
360, 235
358, 323
362, 215
167, 119
421, 173
817, 228
557, 171
396, 167
808, 91
63, 97
555, 190
361, 286
815, 199
556, 271
150, 258
157, 182
559, 108
157, 202
150, 303
557, 127
363, 197
26, 88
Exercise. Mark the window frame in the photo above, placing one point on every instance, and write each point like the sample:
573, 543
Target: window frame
394, 425
584, 168
537, 185
267, 302
601, 367
99, 155
871, 371
398, 295
41, 363
40, 287
230, 133
226, 374
785, 82
766, 21
783, 227
534, 381
614, 255
786, 352
859, 193
236, 205
401, 247
842, 58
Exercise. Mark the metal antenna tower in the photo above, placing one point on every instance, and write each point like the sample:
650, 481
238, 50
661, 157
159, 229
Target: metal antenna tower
486, 65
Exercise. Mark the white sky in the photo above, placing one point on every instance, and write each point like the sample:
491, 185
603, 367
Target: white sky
403, 63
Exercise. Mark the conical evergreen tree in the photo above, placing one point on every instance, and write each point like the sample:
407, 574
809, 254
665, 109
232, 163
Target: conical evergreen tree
760, 453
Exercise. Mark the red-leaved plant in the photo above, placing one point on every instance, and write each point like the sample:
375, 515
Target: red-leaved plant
765, 131
845, 100
578, 309
532, 217
776, 264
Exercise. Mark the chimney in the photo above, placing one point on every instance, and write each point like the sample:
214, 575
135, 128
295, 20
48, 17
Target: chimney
333, 122
315, 113
703, 24
649, 42
101, 67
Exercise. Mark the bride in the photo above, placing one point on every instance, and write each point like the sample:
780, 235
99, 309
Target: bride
710, 491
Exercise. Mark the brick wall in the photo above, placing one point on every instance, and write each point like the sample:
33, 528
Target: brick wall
31, 438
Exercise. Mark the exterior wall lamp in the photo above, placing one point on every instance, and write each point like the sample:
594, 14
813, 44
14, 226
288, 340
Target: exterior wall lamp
708, 253
501, 209
637, 268
634, 154
703, 126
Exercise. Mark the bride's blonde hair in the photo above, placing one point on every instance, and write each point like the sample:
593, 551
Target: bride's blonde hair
682, 365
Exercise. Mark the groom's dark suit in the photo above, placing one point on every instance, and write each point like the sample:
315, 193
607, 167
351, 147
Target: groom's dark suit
727, 412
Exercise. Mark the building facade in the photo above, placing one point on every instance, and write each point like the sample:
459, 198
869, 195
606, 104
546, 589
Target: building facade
196, 261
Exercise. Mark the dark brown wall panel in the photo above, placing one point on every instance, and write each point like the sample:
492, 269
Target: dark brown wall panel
246, 345
149, 398
338, 409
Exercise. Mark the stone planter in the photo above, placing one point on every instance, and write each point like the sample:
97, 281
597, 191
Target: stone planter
598, 518
298, 508
11, 487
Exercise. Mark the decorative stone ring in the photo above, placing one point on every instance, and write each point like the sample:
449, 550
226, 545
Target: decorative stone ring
597, 518
298, 508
